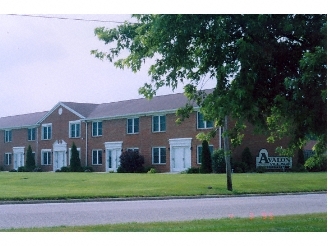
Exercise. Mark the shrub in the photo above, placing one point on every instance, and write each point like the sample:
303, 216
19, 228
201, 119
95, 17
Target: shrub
30, 161
131, 162
87, 169
219, 164
152, 170
247, 160
75, 162
239, 167
13, 170
22, 169
316, 163
260, 169
37, 169
206, 166
63, 169
193, 170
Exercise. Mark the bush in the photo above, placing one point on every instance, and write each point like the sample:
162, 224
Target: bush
37, 169
152, 170
131, 162
22, 169
13, 170
316, 163
206, 166
218, 163
75, 162
247, 160
240, 167
87, 169
260, 169
30, 161
63, 169
193, 170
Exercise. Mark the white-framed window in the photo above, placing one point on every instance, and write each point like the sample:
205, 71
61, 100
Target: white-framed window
159, 123
97, 157
8, 136
199, 152
70, 154
96, 128
74, 129
159, 155
133, 149
31, 134
203, 124
46, 157
133, 125
46, 131
8, 158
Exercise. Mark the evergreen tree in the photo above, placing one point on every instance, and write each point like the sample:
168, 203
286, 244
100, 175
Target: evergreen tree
206, 165
30, 161
75, 162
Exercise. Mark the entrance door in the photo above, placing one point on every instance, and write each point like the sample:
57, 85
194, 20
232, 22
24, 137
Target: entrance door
113, 153
113, 159
180, 154
18, 157
178, 159
59, 159
60, 154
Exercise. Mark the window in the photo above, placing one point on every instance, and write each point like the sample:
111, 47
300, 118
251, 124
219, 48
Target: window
199, 153
46, 157
75, 129
133, 125
8, 158
159, 123
97, 157
31, 134
159, 155
203, 124
46, 131
133, 149
96, 128
8, 136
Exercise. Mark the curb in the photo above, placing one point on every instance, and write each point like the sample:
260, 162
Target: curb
150, 198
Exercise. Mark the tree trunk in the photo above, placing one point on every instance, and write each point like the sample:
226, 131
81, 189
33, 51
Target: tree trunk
227, 154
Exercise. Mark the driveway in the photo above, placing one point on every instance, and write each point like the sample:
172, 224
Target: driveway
109, 212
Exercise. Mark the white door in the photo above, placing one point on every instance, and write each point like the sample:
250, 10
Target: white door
59, 159
112, 159
18, 160
18, 157
178, 159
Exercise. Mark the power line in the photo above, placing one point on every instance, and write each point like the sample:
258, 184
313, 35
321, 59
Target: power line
65, 18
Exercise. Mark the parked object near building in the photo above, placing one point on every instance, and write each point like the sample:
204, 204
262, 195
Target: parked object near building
102, 131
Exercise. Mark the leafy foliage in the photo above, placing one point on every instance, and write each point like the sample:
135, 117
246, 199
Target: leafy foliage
219, 164
246, 157
131, 162
30, 161
270, 70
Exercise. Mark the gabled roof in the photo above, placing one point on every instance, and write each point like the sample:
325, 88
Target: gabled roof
18, 121
141, 106
89, 111
82, 110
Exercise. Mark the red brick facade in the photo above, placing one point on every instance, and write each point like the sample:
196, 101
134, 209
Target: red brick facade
177, 141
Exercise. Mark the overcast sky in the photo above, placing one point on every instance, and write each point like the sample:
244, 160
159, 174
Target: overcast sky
44, 60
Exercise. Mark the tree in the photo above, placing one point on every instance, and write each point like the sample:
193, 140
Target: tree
75, 162
30, 160
270, 70
206, 163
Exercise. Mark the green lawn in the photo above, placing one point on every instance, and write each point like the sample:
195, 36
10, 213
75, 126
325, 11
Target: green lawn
50, 185
291, 223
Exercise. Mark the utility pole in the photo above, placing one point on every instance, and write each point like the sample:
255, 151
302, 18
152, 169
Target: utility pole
227, 154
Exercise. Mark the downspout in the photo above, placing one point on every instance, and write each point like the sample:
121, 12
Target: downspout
86, 143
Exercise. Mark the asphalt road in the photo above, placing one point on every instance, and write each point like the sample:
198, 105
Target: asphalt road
109, 212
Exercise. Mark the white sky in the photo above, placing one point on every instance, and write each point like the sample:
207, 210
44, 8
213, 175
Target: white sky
45, 61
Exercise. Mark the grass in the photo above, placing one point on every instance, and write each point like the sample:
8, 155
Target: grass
49, 185
291, 223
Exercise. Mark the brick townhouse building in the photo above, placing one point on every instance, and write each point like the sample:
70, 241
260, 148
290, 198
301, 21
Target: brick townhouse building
102, 131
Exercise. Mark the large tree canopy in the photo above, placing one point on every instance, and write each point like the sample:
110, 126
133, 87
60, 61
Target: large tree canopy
270, 70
